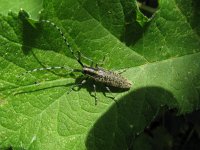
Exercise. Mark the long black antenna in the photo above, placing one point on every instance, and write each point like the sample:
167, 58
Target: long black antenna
65, 40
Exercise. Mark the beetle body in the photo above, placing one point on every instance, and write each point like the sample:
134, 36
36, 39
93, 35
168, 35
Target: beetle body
107, 77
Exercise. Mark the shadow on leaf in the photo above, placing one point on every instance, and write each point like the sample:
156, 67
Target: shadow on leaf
13, 148
118, 127
29, 33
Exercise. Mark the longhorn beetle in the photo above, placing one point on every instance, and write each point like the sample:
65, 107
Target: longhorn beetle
108, 78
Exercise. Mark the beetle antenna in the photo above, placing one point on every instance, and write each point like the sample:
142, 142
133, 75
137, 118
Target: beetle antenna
49, 68
65, 40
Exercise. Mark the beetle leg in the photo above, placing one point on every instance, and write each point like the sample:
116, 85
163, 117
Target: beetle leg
77, 85
108, 89
81, 55
113, 97
95, 94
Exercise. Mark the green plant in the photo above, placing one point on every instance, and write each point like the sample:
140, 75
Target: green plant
160, 55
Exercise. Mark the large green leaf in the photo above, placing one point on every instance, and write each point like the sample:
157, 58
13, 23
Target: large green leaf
161, 60
32, 6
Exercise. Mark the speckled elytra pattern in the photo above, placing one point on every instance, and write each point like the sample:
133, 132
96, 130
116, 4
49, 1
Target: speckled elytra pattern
107, 77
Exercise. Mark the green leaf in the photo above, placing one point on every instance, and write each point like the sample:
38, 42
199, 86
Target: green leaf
32, 6
161, 60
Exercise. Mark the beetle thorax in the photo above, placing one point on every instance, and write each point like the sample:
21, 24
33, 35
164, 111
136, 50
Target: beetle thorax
90, 71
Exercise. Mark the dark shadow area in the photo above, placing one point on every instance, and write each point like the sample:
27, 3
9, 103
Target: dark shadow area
150, 3
127, 119
148, 7
29, 32
133, 32
196, 16
171, 132
133, 29
190, 11
12, 148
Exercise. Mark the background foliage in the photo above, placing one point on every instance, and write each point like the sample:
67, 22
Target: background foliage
160, 55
